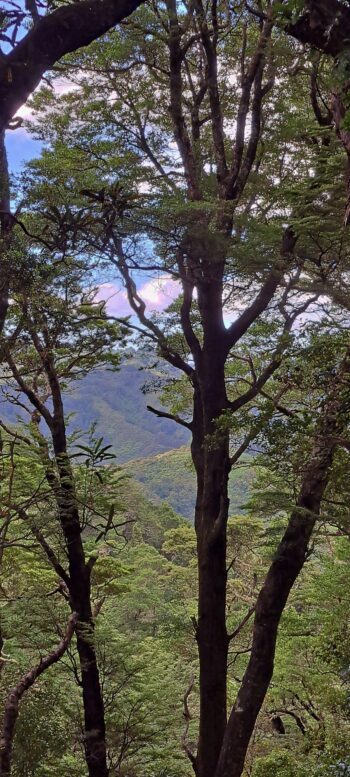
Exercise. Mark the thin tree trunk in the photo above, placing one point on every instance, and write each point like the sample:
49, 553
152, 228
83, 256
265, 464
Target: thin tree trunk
16, 693
79, 573
80, 594
5, 230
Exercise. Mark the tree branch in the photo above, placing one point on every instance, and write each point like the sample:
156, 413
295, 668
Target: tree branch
266, 293
188, 717
325, 25
241, 625
176, 56
63, 31
16, 693
176, 418
30, 394
253, 72
49, 552
138, 306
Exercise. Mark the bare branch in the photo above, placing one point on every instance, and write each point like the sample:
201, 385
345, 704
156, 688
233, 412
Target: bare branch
188, 717
49, 552
171, 416
243, 622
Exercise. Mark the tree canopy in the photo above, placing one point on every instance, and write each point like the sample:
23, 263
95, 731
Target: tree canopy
199, 145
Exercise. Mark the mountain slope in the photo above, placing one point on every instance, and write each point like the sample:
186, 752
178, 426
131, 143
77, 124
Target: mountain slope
116, 402
170, 477
151, 519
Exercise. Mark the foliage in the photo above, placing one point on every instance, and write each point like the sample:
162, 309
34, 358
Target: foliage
242, 214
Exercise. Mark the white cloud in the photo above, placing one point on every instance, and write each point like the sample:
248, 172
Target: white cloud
157, 294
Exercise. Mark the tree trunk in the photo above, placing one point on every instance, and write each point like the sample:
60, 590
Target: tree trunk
210, 451
61, 480
80, 594
94, 722
212, 503
80, 591
5, 231
284, 570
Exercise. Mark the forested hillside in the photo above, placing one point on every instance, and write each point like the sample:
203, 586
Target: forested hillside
116, 403
171, 476
175, 388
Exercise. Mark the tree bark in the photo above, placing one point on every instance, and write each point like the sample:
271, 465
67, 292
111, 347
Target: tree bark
210, 452
210, 520
284, 570
80, 594
16, 693
325, 25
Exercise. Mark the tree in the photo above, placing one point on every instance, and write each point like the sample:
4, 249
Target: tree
141, 639
54, 33
285, 568
211, 226
325, 26
53, 335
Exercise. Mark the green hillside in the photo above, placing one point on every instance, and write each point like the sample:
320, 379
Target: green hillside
151, 518
118, 405
170, 477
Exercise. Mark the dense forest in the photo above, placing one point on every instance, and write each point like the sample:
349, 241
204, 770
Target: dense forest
175, 388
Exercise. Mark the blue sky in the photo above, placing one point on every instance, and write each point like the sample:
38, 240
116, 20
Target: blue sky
20, 149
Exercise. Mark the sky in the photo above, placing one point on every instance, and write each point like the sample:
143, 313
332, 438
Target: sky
157, 293
20, 149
